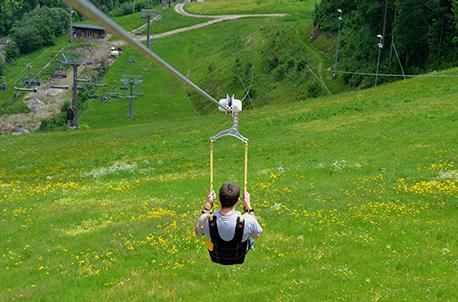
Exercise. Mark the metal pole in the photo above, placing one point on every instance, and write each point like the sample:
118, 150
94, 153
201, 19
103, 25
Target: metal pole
75, 96
338, 43
148, 33
312, 35
131, 107
378, 65
380, 46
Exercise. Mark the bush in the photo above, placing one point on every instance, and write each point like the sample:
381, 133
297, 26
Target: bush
57, 121
12, 51
314, 90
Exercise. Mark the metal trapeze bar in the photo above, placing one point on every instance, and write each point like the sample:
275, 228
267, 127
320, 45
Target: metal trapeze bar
233, 131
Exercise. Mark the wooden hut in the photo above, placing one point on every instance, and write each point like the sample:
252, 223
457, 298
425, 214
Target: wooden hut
87, 31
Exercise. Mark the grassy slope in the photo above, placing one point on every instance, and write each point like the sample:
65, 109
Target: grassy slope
221, 7
108, 214
216, 58
171, 20
218, 70
163, 96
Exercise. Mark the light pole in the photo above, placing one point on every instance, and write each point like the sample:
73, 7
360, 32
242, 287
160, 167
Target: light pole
339, 11
312, 35
380, 46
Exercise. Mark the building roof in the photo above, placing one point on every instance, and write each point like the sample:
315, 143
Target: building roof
88, 26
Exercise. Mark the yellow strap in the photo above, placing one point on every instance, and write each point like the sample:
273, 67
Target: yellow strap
211, 164
245, 181
209, 244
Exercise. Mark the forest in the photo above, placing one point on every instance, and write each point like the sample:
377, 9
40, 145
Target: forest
416, 35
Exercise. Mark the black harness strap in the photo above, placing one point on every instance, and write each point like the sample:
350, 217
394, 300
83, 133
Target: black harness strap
227, 252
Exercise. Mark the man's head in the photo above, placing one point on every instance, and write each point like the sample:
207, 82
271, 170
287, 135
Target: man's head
229, 194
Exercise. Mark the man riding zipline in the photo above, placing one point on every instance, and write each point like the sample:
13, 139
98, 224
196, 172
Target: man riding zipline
227, 222
229, 233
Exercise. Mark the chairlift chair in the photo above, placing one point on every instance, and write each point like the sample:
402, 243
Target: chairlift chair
58, 76
32, 82
25, 89
60, 87
3, 84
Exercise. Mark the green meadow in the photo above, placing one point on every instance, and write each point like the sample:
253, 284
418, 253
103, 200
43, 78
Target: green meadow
357, 195
357, 192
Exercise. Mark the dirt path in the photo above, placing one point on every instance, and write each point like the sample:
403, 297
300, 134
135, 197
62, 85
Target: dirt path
179, 8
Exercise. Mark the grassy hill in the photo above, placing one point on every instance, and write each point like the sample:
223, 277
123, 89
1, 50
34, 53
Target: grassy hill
356, 193
221, 7
270, 53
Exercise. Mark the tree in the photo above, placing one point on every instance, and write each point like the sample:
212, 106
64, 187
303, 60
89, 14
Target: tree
425, 33
38, 28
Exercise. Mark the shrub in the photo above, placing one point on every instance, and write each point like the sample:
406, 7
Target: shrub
12, 51
314, 90
57, 121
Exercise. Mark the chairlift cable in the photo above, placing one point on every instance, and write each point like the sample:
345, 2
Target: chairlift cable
249, 87
427, 75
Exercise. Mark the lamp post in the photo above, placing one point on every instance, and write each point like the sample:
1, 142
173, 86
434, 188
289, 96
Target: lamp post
339, 11
312, 35
380, 47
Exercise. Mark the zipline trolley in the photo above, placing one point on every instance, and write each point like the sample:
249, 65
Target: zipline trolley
231, 106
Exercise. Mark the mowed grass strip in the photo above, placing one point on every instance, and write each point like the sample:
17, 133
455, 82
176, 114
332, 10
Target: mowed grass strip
356, 193
222, 7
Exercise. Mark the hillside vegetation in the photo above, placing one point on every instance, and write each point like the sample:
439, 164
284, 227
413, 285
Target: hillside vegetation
356, 193
266, 56
417, 36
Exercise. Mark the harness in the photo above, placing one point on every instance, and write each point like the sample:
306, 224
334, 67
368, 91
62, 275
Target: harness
227, 252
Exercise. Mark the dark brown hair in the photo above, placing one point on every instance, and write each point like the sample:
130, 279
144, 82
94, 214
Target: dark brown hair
229, 194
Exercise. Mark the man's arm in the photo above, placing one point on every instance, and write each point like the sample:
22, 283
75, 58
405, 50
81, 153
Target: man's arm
207, 207
255, 230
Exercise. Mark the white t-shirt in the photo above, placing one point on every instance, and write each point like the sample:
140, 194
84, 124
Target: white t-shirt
226, 226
